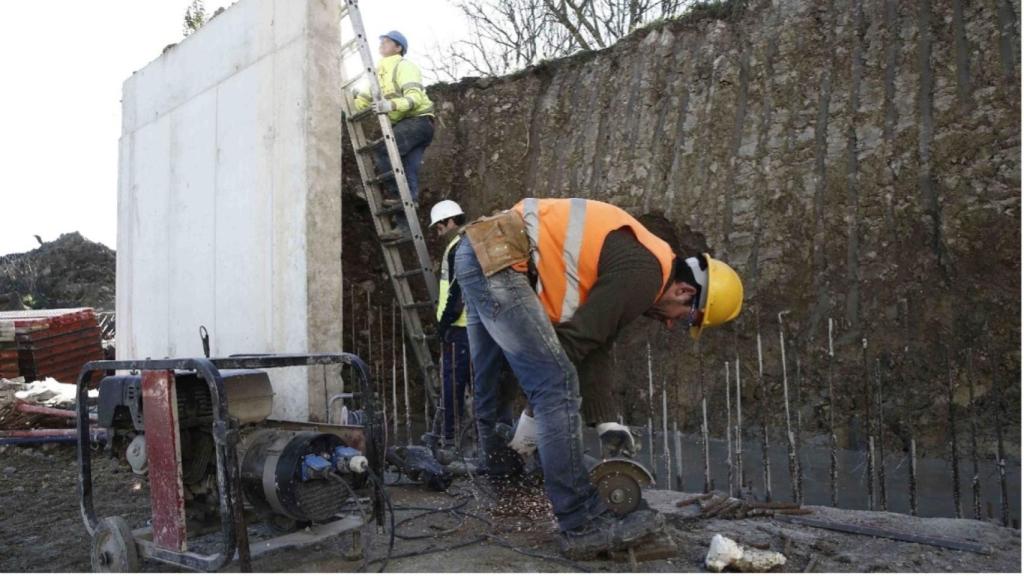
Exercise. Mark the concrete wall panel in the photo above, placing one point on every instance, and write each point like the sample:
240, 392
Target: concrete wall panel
226, 200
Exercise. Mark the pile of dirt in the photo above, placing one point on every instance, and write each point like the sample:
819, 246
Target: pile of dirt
68, 272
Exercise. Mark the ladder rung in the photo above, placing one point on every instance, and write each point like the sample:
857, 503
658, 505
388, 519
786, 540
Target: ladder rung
369, 146
409, 273
383, 177
348, 45
360, 116
388, 239
422, 304
352, 81
388, 210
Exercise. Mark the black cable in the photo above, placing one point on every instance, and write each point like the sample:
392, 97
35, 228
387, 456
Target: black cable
500, 542
379, 485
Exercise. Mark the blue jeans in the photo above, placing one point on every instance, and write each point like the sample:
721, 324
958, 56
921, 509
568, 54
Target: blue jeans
505, 317
412, 136
455, 372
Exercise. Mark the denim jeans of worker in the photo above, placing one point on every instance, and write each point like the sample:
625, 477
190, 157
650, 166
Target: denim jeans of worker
505, 317
412, 136
455, 378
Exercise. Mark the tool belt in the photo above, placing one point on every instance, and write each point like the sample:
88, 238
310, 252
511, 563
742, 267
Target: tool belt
499, 241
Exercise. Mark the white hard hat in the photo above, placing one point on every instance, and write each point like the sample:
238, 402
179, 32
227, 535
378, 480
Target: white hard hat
444, 210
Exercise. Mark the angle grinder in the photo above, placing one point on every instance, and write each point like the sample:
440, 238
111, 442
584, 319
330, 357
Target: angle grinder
619, 482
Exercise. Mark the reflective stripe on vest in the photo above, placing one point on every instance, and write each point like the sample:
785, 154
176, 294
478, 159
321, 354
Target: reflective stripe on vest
444, 285
566, 237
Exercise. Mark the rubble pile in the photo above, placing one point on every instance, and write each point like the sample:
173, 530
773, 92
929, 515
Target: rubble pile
68, 272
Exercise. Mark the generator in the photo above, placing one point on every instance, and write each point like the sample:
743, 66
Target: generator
199, 431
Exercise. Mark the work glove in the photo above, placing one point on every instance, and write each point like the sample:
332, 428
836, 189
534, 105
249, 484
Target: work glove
525, 439
616, 440
383, 106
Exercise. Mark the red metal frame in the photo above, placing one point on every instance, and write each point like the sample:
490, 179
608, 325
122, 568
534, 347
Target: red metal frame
163, 452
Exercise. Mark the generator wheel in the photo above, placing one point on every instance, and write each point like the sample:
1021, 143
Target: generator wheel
113, 547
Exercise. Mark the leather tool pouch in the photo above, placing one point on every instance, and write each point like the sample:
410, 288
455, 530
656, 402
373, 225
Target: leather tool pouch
499, 241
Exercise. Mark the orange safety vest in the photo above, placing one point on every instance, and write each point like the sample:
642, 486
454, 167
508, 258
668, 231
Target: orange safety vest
566, 237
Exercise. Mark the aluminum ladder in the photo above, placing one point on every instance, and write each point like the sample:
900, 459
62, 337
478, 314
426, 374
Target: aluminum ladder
391, 242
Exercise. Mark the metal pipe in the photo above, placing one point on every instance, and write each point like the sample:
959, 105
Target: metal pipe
1004, 492
728, 432
766, 461
833, 468
28, 408
394, 370
95, 434
789, 426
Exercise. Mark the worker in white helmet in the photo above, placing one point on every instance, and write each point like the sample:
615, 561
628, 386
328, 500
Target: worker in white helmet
447, 219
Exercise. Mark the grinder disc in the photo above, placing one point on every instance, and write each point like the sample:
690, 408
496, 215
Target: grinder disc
618, 482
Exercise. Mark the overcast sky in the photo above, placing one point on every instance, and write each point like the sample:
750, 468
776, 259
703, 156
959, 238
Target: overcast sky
63, 62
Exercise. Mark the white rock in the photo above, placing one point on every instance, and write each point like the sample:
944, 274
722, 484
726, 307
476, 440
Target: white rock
724, 553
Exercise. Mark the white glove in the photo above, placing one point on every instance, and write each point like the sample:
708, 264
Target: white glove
615, 439
383, 106
525, 439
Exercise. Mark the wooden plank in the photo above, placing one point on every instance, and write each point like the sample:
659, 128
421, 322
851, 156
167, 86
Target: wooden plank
163, 450
883, 533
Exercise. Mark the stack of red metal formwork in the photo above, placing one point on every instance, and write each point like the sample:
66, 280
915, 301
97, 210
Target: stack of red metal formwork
8, 350
55, 343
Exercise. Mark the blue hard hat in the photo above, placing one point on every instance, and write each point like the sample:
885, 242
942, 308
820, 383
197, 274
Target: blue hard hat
399, 39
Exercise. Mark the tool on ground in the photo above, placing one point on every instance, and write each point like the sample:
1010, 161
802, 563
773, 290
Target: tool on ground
720, 505
199, 430
392, 236
419, 464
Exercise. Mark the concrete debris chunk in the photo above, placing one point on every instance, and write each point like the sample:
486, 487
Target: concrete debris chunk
726, 553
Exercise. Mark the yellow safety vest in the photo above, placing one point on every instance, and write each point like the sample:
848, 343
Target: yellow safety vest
445, 285
401, 82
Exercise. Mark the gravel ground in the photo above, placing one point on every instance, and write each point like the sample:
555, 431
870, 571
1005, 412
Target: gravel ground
42, 530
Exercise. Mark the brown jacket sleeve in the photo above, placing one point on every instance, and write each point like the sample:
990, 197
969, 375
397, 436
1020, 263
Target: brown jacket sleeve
628, 282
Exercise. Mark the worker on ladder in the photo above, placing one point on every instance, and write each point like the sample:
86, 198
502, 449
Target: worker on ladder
597, 268
447, 219
408, 107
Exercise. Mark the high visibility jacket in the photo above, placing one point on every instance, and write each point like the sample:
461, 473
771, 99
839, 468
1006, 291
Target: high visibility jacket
566, 236
444, 285
401, 82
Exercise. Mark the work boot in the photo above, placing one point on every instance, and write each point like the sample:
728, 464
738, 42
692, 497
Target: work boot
605, 533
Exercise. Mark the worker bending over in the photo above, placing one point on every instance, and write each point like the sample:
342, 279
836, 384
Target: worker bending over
410, 110
597, 268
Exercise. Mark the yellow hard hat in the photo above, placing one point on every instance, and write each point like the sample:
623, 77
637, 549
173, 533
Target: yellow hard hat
722, 297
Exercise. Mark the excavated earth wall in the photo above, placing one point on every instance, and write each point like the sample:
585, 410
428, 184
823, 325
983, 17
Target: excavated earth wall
853, 159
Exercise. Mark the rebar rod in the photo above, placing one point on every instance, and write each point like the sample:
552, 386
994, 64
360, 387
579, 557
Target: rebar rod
975, 478
883, 499
405, 390
352, 321
954, 454
799, 437
650, 411
1004, 493
871, 472
833, 466
913, 477
868, 423
369, 331
394, 370
765, 460
704, 418
739, 429
664, 436
728, 432
789, 425
678, 445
